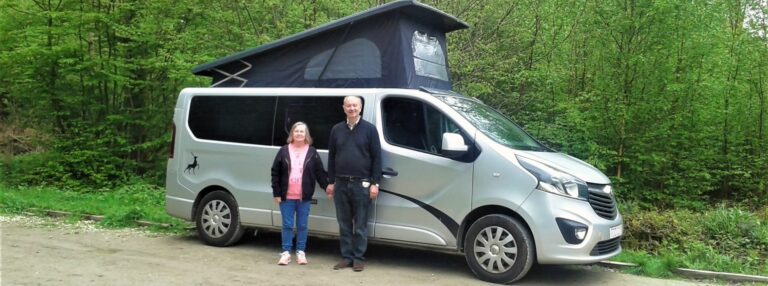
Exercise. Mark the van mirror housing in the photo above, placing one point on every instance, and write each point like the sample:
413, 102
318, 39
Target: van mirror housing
453, 145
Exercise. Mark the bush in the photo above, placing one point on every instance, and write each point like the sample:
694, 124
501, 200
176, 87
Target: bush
653, 230
93, 159
728, 239
734, 230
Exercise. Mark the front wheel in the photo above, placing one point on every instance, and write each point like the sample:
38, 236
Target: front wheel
499, 249
217, 219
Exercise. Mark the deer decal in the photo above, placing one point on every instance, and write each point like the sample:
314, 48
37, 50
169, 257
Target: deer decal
193, 166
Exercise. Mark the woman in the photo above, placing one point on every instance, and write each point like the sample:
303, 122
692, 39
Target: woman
296, 168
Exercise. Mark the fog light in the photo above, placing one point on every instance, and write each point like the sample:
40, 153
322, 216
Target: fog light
573, 232
581, 233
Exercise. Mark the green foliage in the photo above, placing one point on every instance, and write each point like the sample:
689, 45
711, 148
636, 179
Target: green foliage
667, 98
726, 239
90, 160
664, 97
739, 231
653, 230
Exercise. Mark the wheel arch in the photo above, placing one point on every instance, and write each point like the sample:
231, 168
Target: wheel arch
205, 191
477, 213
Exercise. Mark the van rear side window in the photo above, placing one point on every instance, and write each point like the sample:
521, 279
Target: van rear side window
320, 114
239, 119
263, 120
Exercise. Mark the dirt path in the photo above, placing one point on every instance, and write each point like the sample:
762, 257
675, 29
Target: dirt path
36, 251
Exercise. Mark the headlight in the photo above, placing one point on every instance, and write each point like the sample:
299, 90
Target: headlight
555, 181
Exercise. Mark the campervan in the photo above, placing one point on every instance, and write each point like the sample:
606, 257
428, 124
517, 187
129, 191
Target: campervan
457, 175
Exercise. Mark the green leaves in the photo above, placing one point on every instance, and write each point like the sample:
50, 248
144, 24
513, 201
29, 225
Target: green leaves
725, 238
668, 98
660, 95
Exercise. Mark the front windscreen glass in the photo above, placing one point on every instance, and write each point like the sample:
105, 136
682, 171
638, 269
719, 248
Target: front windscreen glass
493, 124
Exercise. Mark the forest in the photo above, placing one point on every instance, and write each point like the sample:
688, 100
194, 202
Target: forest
667, 98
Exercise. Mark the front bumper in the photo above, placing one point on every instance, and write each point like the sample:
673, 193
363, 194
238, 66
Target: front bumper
541, 210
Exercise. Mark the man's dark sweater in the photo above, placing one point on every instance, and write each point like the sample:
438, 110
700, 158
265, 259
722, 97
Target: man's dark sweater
355, 152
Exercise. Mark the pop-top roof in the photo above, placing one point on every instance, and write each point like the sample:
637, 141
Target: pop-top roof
396, 45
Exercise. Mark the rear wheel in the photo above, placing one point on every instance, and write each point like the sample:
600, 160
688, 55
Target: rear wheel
217, 219
499, 249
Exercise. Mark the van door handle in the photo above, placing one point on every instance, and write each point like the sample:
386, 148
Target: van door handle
388, 172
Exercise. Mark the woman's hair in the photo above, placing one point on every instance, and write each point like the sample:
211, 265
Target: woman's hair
307, 137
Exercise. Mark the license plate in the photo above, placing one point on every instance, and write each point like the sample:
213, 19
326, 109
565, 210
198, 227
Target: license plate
617, 231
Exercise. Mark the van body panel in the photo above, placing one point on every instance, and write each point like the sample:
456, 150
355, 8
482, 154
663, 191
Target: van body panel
408, 234
542, 208
179, 207
413, 206
569, 164
499, 180
255, 217
178, 199
402, 200
243, 171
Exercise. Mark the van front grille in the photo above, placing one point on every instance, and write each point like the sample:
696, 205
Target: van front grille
606, 246
602, 202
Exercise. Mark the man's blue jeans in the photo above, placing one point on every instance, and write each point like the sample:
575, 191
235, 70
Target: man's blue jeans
353, 203
299, 209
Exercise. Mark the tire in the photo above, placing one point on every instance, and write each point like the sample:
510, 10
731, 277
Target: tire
217, 219
490, 247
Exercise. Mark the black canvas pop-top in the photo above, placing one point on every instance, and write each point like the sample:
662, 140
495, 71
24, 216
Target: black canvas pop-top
396, 45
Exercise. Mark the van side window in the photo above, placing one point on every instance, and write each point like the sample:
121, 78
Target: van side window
320, 113
413, 124
240, 119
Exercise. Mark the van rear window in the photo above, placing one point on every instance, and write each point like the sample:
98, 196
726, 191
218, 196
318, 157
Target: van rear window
263, 120
320, 114
239, 119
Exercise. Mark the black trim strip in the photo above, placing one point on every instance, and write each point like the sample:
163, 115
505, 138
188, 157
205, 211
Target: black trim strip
451, 224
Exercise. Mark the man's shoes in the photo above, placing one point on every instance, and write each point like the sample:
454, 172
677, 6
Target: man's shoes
358, 266
342, 264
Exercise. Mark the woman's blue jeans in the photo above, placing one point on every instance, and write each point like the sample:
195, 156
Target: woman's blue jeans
290, 209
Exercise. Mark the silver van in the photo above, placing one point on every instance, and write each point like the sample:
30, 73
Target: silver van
458, 176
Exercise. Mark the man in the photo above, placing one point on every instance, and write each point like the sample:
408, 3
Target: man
354, 171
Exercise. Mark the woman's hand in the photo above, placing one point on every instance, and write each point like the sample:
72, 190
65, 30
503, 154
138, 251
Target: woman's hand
329, 191
278, 200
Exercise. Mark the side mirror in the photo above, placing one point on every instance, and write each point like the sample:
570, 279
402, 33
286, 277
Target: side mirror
453, 145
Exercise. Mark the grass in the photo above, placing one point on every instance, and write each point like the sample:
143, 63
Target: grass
724, 238
648, 265
120, 208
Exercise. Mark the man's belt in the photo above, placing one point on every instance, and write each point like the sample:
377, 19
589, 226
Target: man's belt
350, 178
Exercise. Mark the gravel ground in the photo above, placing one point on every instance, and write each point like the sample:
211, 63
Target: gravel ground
45, 251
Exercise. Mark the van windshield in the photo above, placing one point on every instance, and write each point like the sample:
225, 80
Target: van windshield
493, 124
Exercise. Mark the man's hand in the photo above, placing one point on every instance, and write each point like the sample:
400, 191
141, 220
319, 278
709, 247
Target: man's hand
374, 190
278, 200
329, 191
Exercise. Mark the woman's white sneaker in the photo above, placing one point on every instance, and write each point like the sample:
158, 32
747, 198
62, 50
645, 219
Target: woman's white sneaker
301, 257
285, 258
